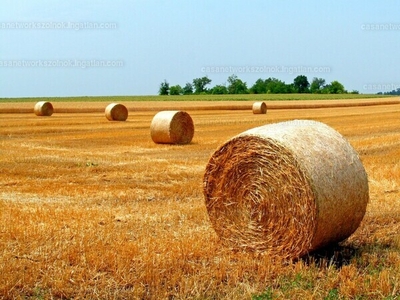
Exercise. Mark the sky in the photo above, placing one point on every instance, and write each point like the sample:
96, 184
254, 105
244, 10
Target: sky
54, 48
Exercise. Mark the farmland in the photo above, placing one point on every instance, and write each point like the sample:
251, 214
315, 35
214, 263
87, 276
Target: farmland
94, 209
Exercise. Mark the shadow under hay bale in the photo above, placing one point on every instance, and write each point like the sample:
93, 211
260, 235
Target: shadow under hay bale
332, 255
116, 112
172, 127
259, 108
287, 188
43, 108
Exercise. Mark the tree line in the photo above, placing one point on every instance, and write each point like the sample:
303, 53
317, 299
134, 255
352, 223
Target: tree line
393, 92
234, 85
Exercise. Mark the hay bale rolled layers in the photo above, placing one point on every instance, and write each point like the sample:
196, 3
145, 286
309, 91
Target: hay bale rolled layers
286, 188
116, 112
172, 127
43, 108
259, 108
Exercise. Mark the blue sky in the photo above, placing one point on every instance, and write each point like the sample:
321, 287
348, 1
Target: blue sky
147, 41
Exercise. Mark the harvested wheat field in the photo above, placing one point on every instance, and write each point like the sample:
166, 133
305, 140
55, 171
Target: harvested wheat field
92, 209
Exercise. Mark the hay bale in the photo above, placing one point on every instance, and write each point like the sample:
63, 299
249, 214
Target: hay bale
43, 108
172, 127
286, 188
259, 108
116, 112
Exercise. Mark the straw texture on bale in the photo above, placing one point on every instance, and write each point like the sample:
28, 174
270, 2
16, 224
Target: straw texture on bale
259, 108
116, 112
287, 188
43, 108
172, 127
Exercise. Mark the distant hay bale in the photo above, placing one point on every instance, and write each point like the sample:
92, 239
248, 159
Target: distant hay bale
259, 108
116, 112
172, 127
43, 108
286, 188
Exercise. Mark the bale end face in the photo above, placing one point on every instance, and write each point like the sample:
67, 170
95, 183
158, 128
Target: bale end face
43, 108
116, 112
172, 127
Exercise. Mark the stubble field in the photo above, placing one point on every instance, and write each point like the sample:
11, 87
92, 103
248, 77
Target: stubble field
94, 209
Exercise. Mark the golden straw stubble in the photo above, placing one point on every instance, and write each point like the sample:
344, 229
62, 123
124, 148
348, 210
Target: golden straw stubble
286, 188
259, 108
43, 108
172, 127
116, 112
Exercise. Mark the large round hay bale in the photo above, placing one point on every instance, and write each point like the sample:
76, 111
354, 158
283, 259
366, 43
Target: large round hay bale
286, 188
259, 108
116, 112
172, 127
43, 108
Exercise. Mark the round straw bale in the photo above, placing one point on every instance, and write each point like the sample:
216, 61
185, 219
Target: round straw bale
43, 108
116, 112
259, 108
287, 188
172, 127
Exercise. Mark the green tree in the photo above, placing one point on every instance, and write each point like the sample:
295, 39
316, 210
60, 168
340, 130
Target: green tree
219, 90
276, 86
326, 89
301, 84
259, 87
187, 89
236, 85
164, 88
317, 85
336, 88
200, 84
175, 90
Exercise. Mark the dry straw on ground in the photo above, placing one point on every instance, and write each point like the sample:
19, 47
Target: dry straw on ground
259, 108
116, 112
286, 188
172, 127
43, 108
